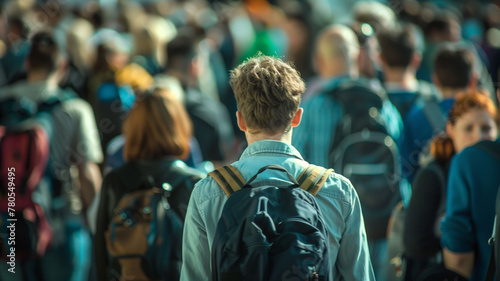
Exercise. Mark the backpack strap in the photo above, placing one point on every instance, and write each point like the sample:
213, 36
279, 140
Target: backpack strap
434, 114
228, 178
313, 178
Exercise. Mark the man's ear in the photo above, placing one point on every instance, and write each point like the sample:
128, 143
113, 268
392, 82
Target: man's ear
241, 122
473, 81
298, 117
416, 60
435, 80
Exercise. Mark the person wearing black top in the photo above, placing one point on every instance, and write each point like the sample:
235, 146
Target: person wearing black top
156, 132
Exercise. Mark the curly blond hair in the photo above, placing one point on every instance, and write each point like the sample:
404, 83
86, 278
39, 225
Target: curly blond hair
268, 93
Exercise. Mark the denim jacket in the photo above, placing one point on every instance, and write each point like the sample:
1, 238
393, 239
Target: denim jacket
337, 200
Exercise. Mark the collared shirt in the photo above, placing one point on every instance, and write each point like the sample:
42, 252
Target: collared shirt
337, 200
75, 137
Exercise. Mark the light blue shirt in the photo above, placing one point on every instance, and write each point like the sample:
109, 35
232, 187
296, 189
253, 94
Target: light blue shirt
337, 200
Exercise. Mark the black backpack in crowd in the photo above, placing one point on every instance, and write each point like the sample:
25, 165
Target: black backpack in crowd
268, 232
365, 153
144, 235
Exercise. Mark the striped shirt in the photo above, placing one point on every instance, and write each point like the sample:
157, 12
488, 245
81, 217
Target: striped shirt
314, 136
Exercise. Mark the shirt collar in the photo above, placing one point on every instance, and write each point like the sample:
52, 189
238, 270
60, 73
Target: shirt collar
270, 147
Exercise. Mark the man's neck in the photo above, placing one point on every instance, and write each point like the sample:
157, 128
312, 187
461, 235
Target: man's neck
448, 93
37, 77
336, 70
254, 137
404, 78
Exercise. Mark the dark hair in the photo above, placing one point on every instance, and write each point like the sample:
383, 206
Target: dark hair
44, 53
397, 45
182, 49
454, 67
440, 23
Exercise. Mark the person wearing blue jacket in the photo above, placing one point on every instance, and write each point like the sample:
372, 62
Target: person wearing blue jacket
473, 184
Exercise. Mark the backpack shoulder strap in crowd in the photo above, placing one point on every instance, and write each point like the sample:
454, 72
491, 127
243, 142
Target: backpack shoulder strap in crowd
313, 178
228, 178
310, 180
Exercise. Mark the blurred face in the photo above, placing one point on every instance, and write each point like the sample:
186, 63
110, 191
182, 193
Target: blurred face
472, 127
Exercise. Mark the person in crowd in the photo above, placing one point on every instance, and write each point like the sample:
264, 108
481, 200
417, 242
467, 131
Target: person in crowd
17, 47
112, 83
157, 132
81, 55
74, 143
453, 74
369, 17
400, 58
150, 41
268, 94
335, 59
472, 118
443, 27
211, 123
472, 188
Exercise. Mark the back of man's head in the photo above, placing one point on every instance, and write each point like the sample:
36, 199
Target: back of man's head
444, 27
181, 50
454, 68
44, 54
268, 93
337, 44
398, 45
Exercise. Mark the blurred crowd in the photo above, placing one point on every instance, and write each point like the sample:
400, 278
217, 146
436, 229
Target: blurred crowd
107, 56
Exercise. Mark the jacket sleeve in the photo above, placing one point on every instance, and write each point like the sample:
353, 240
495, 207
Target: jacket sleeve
457, 227
195, 250
353, 261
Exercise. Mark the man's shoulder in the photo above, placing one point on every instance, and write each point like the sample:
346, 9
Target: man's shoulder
14, 90
337, 186
476, 154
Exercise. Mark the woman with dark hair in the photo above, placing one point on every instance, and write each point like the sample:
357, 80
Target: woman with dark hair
472, 118
157, 131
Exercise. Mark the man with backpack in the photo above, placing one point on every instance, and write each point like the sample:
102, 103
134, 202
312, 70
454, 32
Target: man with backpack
350, 125
73, 141
453, 74
272, 229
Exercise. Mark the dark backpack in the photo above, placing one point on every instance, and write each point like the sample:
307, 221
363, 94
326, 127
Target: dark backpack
144, 235
364, 152
270, 233
25, 132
